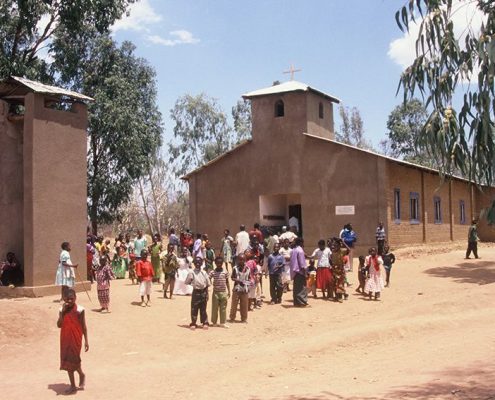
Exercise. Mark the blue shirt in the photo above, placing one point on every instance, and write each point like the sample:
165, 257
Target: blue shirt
276, 263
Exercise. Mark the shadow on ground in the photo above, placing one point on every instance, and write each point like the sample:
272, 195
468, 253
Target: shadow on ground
477, 272
454, 384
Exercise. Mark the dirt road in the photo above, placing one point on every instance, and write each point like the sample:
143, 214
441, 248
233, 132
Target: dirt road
432, 336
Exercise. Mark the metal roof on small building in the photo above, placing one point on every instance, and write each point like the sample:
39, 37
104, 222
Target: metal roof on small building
290, 86
16, 87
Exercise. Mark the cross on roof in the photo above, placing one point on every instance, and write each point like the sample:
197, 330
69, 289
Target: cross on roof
291, 72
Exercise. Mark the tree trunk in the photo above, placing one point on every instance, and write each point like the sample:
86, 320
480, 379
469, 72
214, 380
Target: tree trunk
155, 201
145, 207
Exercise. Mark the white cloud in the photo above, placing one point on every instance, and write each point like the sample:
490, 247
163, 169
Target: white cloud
465, 14
138, 17
176, 37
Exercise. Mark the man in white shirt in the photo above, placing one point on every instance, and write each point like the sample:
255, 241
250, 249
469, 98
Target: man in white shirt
241, 240
293, 221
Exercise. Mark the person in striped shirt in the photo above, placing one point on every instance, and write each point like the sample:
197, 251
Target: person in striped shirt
221, 293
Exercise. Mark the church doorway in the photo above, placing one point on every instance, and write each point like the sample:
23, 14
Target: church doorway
276, 210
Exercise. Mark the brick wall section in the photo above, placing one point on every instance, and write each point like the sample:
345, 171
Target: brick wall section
484, 200
406, 180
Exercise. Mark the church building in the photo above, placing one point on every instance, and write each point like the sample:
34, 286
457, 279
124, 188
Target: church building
293, 168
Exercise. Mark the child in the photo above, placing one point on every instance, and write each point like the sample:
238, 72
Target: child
145, 273
209, 257
253, 273
240, 276
362, 272
374, 284
221, 293
155, 250
184, 263
65, 272
169, 267
199, 299
104, 275
338, 270
323, 274
388, 260
72, 324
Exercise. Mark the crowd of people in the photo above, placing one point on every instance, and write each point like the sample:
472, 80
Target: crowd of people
189, 265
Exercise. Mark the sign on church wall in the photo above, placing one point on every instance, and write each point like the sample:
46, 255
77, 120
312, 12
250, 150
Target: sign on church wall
344, 210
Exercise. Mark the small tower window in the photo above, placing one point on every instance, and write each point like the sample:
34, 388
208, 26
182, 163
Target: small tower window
279, 108
320, 110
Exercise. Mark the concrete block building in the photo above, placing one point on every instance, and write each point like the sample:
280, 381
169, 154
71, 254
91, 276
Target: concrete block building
43, 186
293, 166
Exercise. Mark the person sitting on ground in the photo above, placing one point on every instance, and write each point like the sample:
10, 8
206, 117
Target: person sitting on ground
10, 271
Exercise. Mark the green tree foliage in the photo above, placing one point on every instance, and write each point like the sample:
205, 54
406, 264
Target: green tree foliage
404, 126
449, 66
352, 128
201, 132
125, 125
28, 27
241, 114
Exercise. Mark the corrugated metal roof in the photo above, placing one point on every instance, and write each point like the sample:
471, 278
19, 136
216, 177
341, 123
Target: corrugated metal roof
290, 86
11, 88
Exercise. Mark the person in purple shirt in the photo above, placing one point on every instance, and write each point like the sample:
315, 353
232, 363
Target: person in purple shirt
298, 272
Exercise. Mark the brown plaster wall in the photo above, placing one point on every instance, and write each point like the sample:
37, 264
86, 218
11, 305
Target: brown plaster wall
54, 188
11, 185
322, 127
226, 194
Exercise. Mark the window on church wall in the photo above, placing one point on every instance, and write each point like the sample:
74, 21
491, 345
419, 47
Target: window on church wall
396, 215
279, 108
320, 110
437, 205
462, 212
414, 207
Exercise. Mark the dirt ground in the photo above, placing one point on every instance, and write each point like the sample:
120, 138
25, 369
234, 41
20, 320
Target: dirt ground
432, 336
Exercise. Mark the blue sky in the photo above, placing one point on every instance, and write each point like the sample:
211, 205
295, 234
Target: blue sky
227, 48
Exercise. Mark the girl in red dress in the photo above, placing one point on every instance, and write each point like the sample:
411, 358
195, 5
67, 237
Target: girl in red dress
72, 324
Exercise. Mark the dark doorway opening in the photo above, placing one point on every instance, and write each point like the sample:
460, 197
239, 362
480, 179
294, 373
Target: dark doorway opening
295, 212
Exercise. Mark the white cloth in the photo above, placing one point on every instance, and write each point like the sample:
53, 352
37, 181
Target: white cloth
65, 275
293, 221
288, 235
374, 283
322, 257
286, 254
180, 287
242, 240
145, 288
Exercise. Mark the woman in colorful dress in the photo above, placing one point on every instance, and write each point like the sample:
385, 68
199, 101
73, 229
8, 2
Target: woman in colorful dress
119, 263
155, 250
66, 274
374, 283
339, 251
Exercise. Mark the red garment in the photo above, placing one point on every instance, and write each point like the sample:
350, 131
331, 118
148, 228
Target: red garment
323, 278
253, 270
71, 334
144, 270
258, 234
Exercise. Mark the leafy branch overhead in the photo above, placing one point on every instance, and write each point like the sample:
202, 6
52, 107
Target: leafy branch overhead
454, 71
